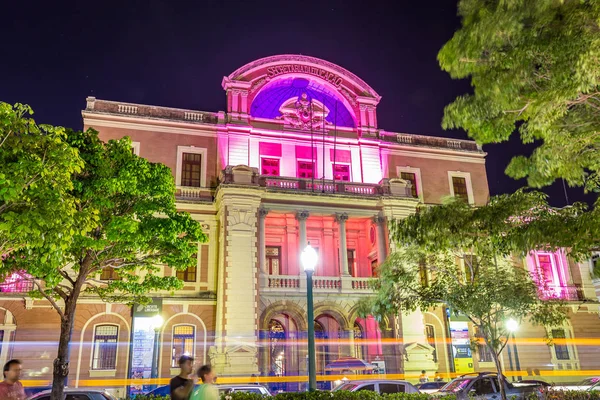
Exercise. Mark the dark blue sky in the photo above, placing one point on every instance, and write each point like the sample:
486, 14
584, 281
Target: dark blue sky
175, 53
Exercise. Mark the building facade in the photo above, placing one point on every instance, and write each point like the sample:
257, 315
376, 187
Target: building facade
297, 157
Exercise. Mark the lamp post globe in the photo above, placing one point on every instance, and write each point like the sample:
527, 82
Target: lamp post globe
309, 259
512, 325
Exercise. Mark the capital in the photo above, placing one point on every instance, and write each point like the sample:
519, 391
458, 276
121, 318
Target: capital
262, 212
341, 217
302, 215
379, 219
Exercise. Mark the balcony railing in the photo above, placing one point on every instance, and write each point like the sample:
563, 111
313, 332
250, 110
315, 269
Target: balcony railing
194, 193
569, 293
297, 283
242, 175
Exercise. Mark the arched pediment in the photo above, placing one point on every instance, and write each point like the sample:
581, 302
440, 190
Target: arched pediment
272, 67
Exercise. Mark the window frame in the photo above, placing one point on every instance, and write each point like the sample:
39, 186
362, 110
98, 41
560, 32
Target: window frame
135, 146
468, 183
417, 172
269, 258
434, 345
195, 329
349, 165
304, 160
93, 349
203, 163
270, 158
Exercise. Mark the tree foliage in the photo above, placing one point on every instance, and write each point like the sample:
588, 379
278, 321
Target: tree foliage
534, 65
464, 257
36, 164
126, 220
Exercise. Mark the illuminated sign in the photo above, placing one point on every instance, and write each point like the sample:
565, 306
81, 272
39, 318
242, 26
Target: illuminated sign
330, 77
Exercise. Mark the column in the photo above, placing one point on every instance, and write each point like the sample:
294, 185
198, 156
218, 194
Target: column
381, 239
262, 213
341, 219
302, 216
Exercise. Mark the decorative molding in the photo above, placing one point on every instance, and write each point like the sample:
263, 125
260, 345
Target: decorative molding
341, 217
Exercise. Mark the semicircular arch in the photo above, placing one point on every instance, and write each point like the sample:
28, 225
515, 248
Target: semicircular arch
334, 311
294, 311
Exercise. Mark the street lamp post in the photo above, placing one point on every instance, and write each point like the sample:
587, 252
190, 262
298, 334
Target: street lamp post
309, 260
157, 322
512, 326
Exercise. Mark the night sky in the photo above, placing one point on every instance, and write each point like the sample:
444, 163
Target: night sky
175, 53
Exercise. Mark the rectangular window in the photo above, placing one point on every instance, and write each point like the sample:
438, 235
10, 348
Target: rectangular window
484, 353
105, 347
430, 331
459, 184
412, 178
270, 166
352, 262
306, 169
188, 274
273, 255
110, 274
341, 172
191, 169
183, 343
560, 349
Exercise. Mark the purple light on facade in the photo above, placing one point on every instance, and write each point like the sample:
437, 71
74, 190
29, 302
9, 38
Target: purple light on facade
269, 100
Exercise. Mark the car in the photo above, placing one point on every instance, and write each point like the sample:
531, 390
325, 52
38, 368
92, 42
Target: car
76, 394
486, 385
595, 387
379, 386
583, 385
430, 387
258, 389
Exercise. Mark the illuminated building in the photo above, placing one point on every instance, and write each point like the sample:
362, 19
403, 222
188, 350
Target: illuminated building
297, 157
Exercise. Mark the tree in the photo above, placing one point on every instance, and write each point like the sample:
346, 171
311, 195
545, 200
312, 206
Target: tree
126, 220
36, 164
462, 257
535, 66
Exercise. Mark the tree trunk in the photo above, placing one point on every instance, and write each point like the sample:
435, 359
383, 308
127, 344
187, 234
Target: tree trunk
501, 381
61, 363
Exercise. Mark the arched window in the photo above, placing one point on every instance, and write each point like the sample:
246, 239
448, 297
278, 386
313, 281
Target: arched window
183, 342
358, 341
277, 347
105, 347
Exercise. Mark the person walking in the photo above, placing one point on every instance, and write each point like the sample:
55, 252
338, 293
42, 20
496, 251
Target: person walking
181, 386
11, 388
423, 377
208, 390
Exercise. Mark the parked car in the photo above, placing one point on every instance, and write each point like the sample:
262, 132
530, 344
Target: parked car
595, 387
486, 385
430, 387
583, 385
258, 389
76, 394
379, 386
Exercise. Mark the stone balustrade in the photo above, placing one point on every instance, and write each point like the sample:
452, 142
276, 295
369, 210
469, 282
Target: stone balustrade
328, 284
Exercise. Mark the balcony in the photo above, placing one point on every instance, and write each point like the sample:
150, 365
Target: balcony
321, 284
568, 293
243, 175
